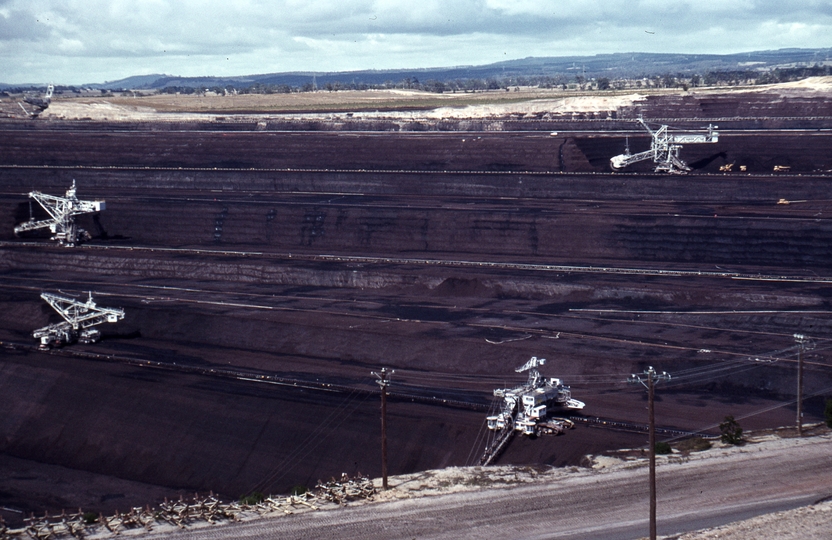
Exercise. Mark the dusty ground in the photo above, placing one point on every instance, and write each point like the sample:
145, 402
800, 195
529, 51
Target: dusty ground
123, 110
395, 104
428, 107
502, 483
467, 105
809, 522
392, 102
540, 502
242, 251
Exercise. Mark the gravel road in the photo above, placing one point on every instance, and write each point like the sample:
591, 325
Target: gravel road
696, 492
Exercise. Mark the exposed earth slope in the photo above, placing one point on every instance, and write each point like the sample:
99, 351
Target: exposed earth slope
267, 264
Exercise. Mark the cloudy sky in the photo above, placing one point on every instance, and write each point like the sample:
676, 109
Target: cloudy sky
86, 41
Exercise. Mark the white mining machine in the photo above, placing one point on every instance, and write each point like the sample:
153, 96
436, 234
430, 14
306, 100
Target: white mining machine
79, 319
664, 149
62, 212
528, 409
39, 104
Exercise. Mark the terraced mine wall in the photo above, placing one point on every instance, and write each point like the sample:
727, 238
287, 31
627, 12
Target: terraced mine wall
265, 274
805, 151
397, 213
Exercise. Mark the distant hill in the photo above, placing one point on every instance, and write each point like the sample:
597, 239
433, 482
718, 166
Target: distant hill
619, 65
135, 82
628, 65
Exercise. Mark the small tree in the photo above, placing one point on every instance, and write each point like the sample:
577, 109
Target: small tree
252, 499
828, 412
663, 448
731, 431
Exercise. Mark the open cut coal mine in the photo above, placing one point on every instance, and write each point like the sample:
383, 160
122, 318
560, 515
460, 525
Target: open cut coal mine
265, 274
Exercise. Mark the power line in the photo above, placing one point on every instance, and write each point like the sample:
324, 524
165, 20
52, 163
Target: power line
339, 414
780, 405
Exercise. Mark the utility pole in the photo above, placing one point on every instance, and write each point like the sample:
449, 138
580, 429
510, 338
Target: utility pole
801, 345
649, 379
383, 379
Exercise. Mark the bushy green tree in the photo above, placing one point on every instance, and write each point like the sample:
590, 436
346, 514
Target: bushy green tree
731, 431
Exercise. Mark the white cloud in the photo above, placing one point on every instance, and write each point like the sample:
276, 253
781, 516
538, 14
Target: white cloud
76, 41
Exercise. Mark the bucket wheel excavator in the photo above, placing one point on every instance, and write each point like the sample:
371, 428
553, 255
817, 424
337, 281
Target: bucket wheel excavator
664, 149
37, 103
529, 409
79, 320
62, 213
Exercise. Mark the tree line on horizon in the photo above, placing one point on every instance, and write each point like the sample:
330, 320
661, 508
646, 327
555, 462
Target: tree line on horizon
564, 82
685, 81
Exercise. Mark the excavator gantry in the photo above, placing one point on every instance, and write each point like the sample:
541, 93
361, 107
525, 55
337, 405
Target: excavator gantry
79, 320
664, 149
62, 212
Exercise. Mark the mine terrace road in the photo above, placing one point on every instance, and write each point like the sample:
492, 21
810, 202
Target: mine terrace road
695, 494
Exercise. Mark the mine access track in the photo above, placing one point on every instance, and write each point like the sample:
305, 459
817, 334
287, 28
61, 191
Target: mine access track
461, 263
393, 171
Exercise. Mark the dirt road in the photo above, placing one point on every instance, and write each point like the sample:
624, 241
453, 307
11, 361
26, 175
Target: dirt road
700, 491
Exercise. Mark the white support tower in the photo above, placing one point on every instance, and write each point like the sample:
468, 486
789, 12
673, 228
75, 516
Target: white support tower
664, 149
79, 319
62, 212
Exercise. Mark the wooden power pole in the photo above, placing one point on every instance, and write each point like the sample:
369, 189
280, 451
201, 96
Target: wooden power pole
649, 379
383, 379
801, 345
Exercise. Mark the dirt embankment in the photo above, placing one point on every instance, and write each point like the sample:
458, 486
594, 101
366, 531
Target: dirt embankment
408, 110
812, 522
699, 487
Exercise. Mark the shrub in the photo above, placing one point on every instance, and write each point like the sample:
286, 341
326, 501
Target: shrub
731, 431
663, 448
694, 444
253, 498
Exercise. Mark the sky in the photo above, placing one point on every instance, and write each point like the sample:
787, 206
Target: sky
75, 42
